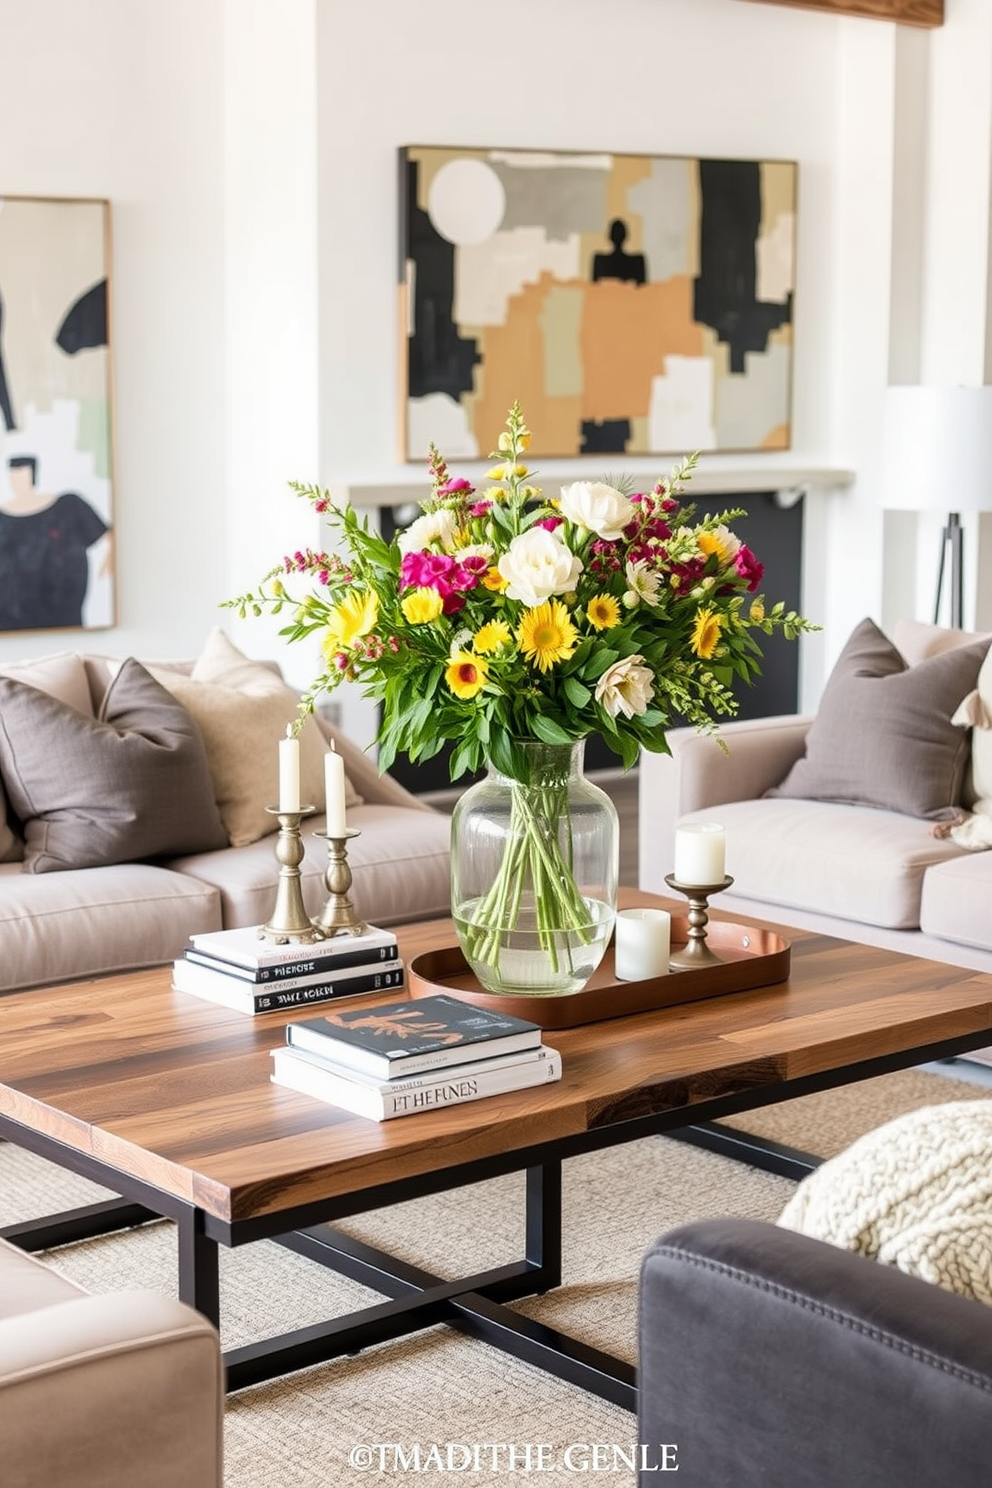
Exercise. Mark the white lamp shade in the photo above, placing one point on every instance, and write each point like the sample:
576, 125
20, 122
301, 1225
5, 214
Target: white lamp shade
938, 449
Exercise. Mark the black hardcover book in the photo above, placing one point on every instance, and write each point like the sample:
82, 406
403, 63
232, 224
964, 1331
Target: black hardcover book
317, 960
401, 1038
244, 997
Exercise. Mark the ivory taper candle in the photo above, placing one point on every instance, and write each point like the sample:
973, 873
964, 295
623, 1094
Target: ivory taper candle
334, 793
289, 772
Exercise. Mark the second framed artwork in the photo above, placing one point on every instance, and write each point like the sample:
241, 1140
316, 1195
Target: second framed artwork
634, 304
56, 455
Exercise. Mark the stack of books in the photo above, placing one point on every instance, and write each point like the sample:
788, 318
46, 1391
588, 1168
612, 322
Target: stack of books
242, 971
402, 1057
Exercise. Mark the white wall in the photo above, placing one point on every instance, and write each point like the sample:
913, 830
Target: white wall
249, 148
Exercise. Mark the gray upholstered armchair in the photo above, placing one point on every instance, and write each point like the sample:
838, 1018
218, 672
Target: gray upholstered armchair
119, 1391
772, 1359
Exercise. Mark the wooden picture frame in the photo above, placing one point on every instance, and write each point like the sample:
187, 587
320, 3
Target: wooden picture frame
56, 415
633, 304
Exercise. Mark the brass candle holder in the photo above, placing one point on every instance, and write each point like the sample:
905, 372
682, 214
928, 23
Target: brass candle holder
338, 916
696, 952
290, 923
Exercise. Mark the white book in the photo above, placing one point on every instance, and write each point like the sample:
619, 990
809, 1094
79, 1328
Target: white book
383, 1100
246, 997
244, 947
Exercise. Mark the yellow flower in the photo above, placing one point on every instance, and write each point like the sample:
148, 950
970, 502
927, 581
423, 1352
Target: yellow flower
547, 635
355, 616
506, 472
720, 541
705, 633
490, 637
603, 612
465, 674
757, 613
495, 580
422, 606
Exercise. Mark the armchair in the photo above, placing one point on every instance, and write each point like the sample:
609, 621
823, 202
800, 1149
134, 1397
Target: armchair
776, 1360
119, 1391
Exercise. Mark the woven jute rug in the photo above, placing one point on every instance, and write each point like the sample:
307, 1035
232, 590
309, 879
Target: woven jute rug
377, 1416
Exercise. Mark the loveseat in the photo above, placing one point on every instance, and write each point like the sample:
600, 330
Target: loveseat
133, 812
119, 1391
831, 819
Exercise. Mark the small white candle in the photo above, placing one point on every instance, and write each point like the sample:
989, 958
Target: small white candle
289, 772
700, 854
643, 944
334, 793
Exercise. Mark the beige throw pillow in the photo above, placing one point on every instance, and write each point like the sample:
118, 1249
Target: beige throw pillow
242, 708
976, 713
62, 676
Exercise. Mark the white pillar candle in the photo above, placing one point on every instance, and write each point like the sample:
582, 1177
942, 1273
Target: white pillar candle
700, 854
334, 793
289, 772
643, 944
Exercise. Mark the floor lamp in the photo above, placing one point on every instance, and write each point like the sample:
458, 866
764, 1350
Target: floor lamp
938, 456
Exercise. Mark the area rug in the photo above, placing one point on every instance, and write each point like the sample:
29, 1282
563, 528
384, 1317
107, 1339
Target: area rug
378, 1416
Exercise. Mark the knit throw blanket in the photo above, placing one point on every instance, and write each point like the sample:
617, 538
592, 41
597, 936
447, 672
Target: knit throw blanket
915, 1193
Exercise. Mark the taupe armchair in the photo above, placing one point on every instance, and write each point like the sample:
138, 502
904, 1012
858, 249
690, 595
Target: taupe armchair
118, 1391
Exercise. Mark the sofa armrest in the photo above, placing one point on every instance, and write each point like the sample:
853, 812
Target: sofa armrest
118, 1391
699, 774
773, 1359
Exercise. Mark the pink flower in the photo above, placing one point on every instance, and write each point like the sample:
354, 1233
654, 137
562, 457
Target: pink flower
457, 487
549, 523
480, 508
749, 567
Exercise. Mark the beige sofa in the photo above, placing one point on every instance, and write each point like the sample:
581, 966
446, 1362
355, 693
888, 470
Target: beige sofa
114, 915
872, 875
120, 1391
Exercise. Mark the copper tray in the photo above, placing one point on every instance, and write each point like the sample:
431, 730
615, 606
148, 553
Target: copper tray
749, 957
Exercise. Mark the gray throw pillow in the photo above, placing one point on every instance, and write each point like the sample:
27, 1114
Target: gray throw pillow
883, 735
133, 783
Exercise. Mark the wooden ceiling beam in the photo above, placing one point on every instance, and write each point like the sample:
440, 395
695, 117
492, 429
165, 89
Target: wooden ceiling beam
906, 12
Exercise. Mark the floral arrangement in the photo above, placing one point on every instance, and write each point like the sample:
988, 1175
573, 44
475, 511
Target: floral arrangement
504, 614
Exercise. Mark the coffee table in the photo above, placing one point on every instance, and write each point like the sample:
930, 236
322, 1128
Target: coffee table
166, 1100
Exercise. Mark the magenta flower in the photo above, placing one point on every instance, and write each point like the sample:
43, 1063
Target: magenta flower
457, 487
480, 508
749, 567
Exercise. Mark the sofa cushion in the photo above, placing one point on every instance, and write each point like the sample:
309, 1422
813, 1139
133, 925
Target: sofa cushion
957, 896
87, 921
131, 784
62, 676
883, 735
27, 1285
845, 861
399, 864
242, 708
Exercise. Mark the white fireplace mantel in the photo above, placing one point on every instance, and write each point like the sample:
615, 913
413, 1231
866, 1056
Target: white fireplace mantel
716, 475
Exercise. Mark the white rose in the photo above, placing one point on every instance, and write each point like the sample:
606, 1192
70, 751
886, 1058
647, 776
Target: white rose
626, 687
536, 565
437, 526
599, 508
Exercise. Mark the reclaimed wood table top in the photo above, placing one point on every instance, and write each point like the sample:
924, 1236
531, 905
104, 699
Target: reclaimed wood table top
175, 1091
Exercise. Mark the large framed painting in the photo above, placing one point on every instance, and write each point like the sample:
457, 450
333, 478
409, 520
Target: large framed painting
56, 425
634, 304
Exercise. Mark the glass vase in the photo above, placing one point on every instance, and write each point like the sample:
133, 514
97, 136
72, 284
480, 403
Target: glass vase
534, 868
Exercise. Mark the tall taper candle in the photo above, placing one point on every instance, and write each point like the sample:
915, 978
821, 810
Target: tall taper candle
334, 793
289, 771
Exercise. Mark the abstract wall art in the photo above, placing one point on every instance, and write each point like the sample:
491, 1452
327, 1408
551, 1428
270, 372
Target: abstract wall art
634, 304
56, 478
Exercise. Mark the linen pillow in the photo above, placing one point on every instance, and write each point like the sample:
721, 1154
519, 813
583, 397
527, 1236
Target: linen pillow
130, 784
915, 1193
242, 708
62, 676
883, 734
976, 713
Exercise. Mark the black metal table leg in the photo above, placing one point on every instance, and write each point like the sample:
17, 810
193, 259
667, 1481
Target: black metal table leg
199, 1266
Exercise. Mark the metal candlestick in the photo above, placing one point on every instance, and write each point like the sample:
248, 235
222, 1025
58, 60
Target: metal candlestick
290, 921
338, 916
696, 952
